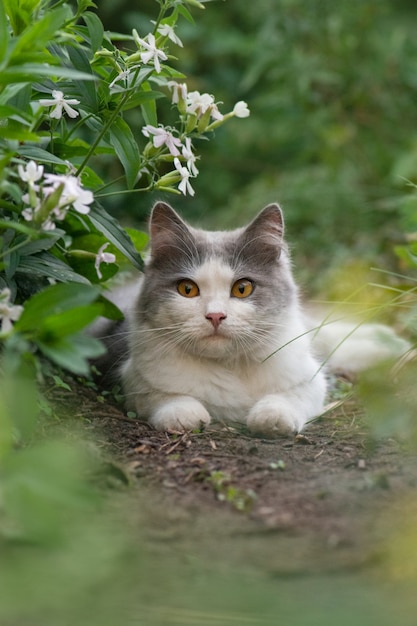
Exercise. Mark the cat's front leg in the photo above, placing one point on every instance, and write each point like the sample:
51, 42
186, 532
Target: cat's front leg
282, 414
179, 413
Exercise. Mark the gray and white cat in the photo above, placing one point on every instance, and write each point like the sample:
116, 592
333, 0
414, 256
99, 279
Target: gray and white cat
214, 330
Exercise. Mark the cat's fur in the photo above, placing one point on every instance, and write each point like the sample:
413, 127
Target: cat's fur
190, 359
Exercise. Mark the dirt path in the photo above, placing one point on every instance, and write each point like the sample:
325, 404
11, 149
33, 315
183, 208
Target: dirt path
328, 487
224, 514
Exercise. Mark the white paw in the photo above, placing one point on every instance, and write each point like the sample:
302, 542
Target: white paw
274, 416
182, 414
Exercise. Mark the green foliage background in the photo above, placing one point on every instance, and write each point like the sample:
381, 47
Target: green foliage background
332, 134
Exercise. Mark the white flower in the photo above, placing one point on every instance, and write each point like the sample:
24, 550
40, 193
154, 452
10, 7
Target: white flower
179, 91
151, 51
168, 31
198, 103
8, 312
184, 186
122, 75
59, 102
103, 257
30, 214
241, 109
72, 194
31, 173
162, 136
189, 156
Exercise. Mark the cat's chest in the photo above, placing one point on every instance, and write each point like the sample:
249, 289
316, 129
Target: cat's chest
230, 390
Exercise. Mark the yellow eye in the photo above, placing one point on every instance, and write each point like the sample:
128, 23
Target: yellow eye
242, 288
188, 289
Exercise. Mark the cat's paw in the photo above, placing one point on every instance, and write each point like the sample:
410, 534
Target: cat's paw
180, 414
273, 416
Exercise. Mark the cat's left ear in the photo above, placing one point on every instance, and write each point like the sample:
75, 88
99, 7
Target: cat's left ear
269, 224
264, 236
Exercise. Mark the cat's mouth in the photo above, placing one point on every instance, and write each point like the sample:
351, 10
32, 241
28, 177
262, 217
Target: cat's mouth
217, 334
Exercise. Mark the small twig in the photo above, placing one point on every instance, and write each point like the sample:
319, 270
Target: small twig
147, 442
319, 454
176, 444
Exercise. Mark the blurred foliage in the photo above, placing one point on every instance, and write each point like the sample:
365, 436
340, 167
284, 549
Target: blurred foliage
332, 90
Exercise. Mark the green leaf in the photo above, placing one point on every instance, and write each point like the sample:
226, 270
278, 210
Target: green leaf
113, 232
39, 34
19, 392
22, 100
17, 226
17, 114
55, 300
4, 33
45, 264
149, 108
185, 13
68, 322
40, 244
39, 154
91, 179
60, 383
86, 90
73, 352
10, 91
29, 72
110, 310
142, 97
139, 238
95, 29
20, 14
15, 132
44, 489
126, 148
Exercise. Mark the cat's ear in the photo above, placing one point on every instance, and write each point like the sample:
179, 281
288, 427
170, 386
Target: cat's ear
167, 229
264, 236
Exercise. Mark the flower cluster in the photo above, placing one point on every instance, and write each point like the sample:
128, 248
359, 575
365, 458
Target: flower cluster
9, 313
200, 114
163, 136
202, 105
51, 199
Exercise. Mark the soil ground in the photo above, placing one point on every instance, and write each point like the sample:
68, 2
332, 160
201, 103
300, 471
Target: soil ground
331, 502
332, 486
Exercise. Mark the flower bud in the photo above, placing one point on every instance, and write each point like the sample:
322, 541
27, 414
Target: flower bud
167, 180
241, 109
195, 3
204, 121
191, 123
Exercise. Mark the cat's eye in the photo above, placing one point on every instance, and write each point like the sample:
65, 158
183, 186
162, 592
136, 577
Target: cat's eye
188, 288
242, 288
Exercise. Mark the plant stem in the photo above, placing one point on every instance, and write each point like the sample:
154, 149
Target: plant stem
103, 131
125, 191
14, 248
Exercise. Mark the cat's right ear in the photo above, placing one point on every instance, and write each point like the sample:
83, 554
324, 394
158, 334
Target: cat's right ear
167, 229
263, 238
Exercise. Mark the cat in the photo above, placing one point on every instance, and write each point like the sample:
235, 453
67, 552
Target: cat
214, 329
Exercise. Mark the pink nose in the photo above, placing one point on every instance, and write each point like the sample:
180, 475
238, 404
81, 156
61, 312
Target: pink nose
216, 319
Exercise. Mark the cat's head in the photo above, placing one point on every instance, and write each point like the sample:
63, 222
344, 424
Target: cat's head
217, 294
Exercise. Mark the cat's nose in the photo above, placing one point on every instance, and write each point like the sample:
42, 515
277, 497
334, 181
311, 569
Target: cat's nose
216, 319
